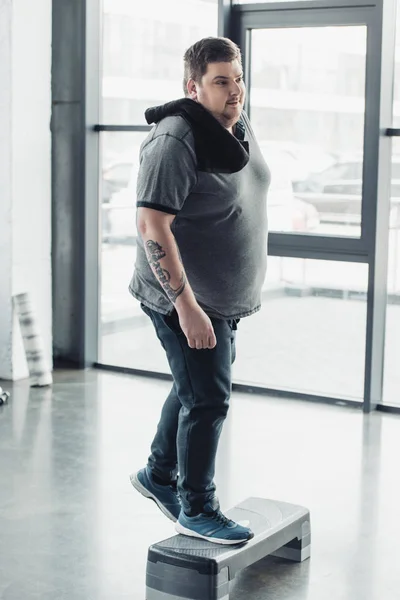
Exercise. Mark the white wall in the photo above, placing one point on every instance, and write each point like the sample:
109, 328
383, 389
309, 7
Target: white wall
5, 191
28, 257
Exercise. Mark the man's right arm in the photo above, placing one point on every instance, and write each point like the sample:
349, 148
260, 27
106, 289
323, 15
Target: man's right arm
162, 252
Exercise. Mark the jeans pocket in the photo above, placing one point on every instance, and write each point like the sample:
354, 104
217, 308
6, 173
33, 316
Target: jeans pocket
145, 309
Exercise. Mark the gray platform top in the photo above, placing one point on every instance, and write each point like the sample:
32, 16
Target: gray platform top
274, 524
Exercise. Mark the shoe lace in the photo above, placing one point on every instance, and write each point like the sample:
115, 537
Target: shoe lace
221, 518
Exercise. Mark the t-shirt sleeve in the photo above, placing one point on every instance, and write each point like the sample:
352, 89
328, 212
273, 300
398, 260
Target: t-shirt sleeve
167, 174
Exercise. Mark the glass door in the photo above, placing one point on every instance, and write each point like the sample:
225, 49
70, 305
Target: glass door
312, 100
391, 387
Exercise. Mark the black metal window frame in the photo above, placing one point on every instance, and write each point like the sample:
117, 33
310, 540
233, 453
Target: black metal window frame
236, 22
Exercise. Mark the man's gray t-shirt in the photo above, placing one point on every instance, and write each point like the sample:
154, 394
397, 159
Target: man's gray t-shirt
220, 224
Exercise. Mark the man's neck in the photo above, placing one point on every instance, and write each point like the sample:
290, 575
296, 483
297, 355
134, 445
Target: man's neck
230, 128
229, 125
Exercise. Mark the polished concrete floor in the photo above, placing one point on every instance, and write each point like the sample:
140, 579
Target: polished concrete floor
71, 526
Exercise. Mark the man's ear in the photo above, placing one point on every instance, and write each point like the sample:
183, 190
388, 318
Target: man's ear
192, 89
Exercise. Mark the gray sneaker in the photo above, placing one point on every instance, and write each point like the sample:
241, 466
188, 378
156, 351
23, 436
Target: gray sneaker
165, 496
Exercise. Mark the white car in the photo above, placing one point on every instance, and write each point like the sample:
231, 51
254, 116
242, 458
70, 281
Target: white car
286, 213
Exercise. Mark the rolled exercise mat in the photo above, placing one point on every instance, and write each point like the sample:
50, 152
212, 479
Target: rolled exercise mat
39, 371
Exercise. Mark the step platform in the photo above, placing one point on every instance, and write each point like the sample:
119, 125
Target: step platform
185, 568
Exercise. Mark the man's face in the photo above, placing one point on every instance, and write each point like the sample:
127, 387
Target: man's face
221, 91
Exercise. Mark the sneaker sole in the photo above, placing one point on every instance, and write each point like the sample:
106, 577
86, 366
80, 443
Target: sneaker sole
189, 532
142, 490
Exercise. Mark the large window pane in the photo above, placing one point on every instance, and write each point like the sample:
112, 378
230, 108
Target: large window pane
391, 386
261, 1
307, 108
310, 334
120, 161
143, 47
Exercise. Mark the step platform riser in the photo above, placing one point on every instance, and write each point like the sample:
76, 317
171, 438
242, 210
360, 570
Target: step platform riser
178, 583
156, 595
185, 568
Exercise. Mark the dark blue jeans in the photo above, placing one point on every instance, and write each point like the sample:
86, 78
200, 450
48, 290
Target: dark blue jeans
194, 412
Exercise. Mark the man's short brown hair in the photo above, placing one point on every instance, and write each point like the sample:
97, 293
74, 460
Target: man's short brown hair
205, 51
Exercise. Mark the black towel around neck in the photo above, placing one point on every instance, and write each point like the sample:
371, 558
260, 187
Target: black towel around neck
217, 150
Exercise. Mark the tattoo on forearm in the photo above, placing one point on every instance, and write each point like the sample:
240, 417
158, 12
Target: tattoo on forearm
155, 253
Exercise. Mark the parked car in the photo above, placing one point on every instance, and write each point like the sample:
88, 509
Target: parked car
301, 160
338, 189
286, 213
115, 177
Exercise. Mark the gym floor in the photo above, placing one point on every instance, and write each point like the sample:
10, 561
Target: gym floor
73, 528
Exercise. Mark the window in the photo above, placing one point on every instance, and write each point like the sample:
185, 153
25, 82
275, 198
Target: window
313, 323
308, 113
259, 1
143, 47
